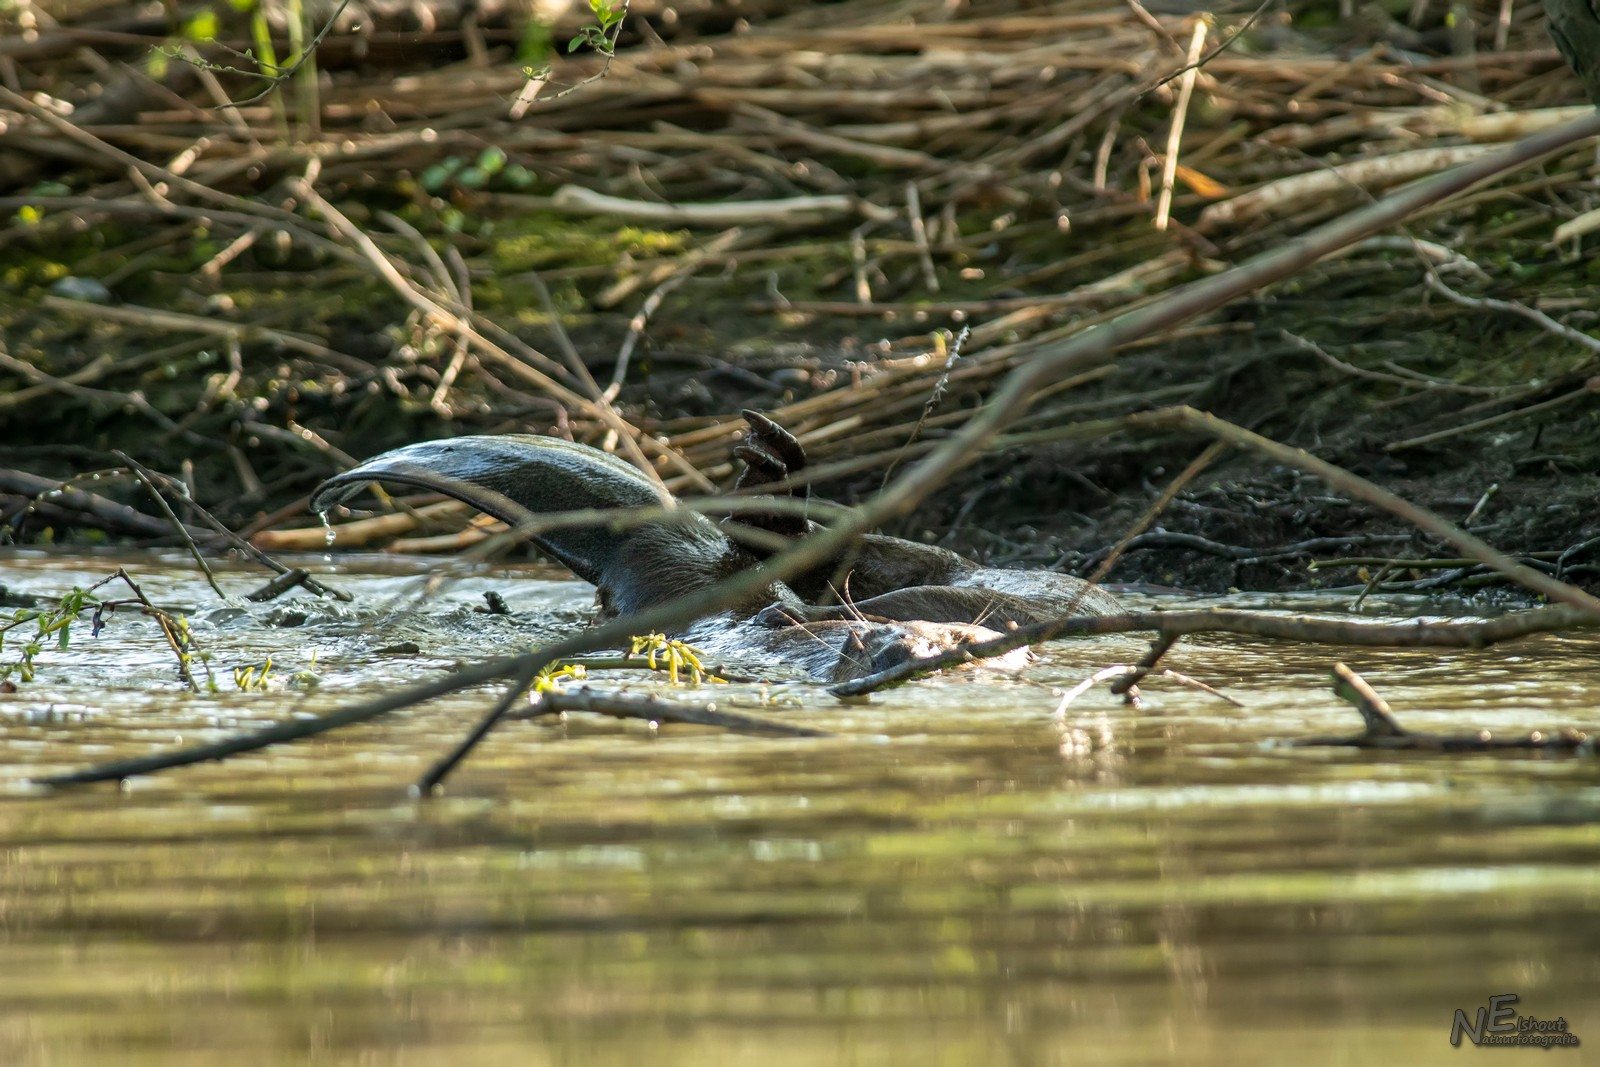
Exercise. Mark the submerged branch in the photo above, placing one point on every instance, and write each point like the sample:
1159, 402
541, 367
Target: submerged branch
647, 707
1174, 624
1383, 730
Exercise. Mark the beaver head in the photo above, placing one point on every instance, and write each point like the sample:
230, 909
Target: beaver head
869, 647
836, 650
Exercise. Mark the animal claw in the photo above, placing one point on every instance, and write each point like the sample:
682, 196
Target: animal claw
782, 445
759, 461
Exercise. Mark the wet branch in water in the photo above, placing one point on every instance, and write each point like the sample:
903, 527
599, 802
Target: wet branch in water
173, 628
1383, 731
648, 707
64, 494
1297, 628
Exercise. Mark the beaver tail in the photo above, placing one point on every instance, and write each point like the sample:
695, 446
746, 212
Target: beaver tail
515, 477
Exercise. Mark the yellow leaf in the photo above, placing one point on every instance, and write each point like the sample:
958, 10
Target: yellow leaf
1206, 186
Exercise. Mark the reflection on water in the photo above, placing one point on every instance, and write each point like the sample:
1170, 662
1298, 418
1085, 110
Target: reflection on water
956, 877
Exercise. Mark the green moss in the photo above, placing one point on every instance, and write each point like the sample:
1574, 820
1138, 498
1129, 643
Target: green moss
541, 240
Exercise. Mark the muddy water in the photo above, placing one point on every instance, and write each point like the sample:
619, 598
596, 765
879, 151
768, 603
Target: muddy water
958, 876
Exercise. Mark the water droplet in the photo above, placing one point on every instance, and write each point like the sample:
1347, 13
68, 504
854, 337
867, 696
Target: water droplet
329, 534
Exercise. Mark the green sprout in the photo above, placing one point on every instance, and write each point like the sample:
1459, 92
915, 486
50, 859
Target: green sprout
253, 678
553, 678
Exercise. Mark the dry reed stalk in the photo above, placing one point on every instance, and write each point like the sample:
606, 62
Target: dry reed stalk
1180, 114
997, 115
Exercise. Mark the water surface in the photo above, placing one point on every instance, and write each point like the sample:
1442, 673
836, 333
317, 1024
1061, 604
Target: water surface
957, 876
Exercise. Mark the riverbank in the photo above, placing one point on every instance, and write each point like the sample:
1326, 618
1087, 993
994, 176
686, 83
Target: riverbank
394, 250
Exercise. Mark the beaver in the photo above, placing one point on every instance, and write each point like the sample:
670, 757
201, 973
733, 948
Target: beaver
886, 577
918, 600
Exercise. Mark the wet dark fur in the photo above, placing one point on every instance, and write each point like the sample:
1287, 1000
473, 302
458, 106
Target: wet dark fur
660, 562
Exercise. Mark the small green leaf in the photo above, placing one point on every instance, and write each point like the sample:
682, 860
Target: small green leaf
604, 13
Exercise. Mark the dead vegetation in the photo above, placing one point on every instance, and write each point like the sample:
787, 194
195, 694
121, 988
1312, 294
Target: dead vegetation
786, 205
